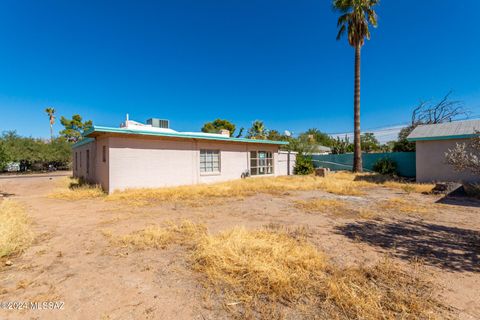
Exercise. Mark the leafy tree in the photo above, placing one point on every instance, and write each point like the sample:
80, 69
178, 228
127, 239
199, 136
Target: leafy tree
51, 117
257, 130
387, 147
217, 125
275, 136
4, 159
369, 142
33, 153
74, 127
341, 146
303, 164
465, 156
355, 19
402, 144
318, 137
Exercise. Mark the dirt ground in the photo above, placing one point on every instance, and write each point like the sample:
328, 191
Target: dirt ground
73, 261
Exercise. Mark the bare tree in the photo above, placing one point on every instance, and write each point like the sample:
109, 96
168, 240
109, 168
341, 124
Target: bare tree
465, 156
445, 110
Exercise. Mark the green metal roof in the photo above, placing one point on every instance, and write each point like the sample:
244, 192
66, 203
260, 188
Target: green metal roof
82, 142
127, 131
444, 131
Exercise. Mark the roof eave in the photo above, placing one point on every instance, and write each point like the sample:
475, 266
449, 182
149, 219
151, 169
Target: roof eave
100, 129
461, 136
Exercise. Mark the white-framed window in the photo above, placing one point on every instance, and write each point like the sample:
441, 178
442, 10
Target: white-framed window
261, 162
209, 161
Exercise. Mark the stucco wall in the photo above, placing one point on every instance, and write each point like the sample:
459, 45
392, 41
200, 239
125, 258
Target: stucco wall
430, 162
282, 163
80, 162
98, 170
151, 163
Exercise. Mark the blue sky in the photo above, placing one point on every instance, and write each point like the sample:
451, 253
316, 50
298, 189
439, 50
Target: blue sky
192, 61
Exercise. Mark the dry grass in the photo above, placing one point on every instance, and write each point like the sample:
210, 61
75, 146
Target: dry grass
239, 188
322, 205
340, 183
162, 236
334, 207
262, 274
410, 187
74, 189
405, 206
15, 233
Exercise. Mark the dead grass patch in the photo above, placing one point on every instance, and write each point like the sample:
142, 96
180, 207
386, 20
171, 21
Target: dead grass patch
75, 189
322, 205
158, 237
334, 207
405, 206
15, 232
238, 188
410, 187
259, 274
373, 179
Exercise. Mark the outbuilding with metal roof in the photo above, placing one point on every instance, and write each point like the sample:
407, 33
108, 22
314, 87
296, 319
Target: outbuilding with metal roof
433, 141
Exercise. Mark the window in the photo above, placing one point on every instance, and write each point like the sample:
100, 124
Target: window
261, 162
80, 159
209, 161
104, 154
88, 161
76, 161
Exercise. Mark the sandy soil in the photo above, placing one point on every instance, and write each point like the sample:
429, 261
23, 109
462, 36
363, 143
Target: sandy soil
72, 260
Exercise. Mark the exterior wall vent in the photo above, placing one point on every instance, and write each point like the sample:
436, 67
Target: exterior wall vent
159, 123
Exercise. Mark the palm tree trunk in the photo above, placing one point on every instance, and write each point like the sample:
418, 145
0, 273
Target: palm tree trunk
51, 133
357, 151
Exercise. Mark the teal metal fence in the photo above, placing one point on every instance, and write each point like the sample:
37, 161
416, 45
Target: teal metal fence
405, 161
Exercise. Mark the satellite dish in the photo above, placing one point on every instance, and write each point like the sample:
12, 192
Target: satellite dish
288, 133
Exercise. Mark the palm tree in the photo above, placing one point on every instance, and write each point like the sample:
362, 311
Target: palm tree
257, 130
355, 18
51, 115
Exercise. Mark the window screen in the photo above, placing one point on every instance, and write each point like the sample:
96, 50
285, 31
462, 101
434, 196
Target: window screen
261, 162
209, 160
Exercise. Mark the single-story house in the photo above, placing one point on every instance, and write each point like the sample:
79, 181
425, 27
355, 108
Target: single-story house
320, 150
433, 141
152, 155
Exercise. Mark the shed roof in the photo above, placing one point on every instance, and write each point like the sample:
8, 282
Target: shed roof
97, 130
444, 131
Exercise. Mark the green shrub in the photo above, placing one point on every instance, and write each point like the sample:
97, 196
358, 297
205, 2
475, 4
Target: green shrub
303, 165
385, 166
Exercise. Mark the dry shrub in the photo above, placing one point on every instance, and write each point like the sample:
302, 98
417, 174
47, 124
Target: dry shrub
160, 237
75, 189
15, 233
265, 274
406, 206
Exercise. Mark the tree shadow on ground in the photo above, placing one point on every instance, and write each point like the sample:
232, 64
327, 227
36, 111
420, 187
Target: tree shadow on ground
463, 201
445, 247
